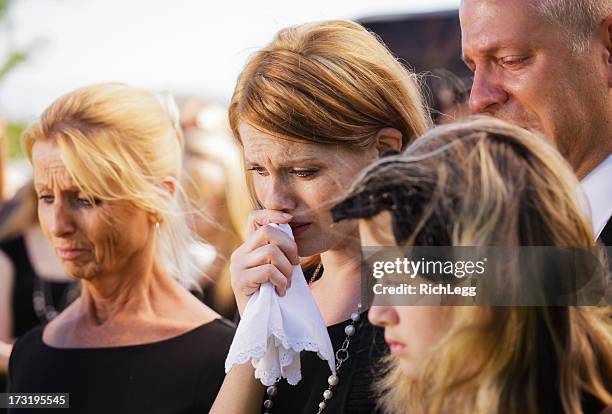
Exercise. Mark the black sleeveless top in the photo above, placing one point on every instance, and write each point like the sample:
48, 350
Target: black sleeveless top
353, 394
56, 296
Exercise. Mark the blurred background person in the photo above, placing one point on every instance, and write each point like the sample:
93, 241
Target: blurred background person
215, 185
429, 43
33, 285
448, 95
11, 179
107, 160
484, 182
2, 158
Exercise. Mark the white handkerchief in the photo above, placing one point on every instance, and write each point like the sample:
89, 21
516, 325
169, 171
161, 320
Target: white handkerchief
274, 330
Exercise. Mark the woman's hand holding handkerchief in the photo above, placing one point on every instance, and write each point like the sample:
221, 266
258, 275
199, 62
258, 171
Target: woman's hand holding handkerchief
275, 329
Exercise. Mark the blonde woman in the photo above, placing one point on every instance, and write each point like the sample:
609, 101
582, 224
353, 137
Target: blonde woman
483, 182
311, 110
214, 183
106, 162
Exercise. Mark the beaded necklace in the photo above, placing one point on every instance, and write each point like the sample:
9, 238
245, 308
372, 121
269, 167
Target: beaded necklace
42, 299
342, 355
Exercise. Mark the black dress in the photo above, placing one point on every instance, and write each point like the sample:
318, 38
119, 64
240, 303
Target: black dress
177, 375
353, 394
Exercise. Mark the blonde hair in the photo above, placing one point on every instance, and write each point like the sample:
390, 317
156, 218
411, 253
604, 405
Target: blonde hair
212, 145
119, 143
484, 182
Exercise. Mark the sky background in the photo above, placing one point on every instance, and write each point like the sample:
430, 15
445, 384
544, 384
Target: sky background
184, 46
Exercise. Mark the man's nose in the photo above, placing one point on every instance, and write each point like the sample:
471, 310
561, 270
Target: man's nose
487, 93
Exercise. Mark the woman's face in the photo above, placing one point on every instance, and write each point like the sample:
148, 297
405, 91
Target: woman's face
304, 180
410, 331
108, 237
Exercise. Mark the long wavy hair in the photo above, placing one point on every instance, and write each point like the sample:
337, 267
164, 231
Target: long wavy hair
484, 182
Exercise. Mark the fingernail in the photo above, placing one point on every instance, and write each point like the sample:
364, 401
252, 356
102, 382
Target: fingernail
287, 215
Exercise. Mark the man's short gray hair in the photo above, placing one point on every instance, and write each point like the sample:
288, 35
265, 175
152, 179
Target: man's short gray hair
579, 18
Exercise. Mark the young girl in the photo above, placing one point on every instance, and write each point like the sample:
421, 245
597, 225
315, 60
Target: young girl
483, 182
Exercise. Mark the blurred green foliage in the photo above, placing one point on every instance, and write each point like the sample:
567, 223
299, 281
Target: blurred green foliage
12, 60
13, 145
13, 57
8, 62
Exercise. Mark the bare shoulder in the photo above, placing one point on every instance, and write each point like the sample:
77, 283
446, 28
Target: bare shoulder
199, 311
56, 331
7, 270
7, 278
